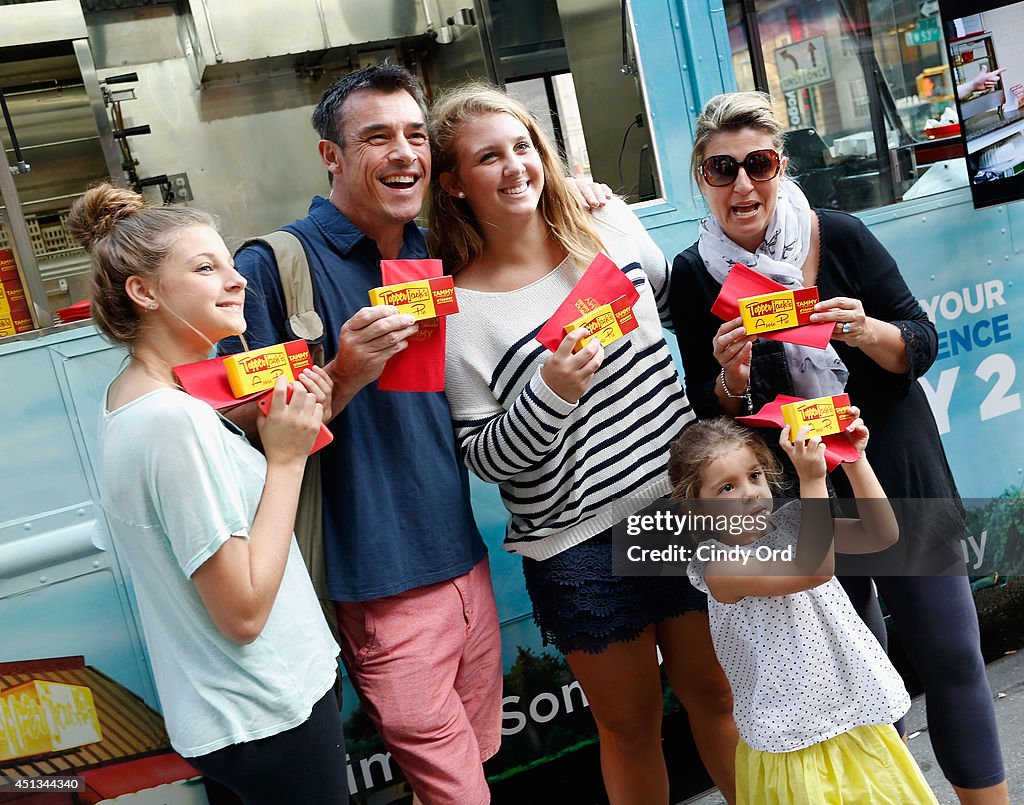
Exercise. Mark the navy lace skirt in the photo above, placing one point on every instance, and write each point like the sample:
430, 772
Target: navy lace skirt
580, 606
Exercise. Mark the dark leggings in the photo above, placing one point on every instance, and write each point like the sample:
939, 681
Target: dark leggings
938, 627
304, 764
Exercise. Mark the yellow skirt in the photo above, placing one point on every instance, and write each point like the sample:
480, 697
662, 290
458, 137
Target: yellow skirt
866, 766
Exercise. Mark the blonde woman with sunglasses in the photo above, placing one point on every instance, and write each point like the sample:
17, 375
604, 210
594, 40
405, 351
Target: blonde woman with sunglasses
882, 341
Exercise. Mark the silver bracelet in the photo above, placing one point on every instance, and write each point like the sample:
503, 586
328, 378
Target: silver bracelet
744, 396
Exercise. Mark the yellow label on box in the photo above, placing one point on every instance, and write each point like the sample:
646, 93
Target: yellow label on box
607, 323
40, 717
413, 298
823, 415
770, 312
778, 310
602, 325
423, 299
257, 370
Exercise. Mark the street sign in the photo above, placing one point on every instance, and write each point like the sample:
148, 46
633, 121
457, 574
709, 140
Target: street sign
803, 64
925, 32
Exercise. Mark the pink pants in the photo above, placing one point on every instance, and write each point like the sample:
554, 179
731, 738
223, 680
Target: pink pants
427, 666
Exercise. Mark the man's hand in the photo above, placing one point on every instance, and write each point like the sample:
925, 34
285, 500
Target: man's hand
365, 343
318, 383
591, 195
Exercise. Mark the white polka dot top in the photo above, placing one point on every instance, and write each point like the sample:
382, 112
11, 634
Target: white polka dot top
803, 667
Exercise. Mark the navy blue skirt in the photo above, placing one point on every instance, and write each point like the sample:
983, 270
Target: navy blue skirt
579, 605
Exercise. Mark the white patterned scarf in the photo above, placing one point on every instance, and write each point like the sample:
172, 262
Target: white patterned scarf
815, 372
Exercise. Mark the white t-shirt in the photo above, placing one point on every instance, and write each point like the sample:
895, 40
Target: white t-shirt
177, 481
803, 667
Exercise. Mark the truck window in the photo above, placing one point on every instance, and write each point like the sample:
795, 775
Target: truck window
865, 90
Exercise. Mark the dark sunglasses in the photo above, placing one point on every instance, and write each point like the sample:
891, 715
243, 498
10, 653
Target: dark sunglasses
722, 170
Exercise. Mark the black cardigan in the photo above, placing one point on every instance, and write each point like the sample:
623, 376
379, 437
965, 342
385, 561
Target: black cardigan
905, 449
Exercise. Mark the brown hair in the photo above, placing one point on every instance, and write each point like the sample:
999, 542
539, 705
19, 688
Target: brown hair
455, 235
703, 442
329, 116
734, 111
125, 237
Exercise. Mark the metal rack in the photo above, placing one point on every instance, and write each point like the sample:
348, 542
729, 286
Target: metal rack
60, 137
48, 234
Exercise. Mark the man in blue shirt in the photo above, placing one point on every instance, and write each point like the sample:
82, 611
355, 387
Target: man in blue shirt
406, 565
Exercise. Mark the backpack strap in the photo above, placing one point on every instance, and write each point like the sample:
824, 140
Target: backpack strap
297, 287
304, 322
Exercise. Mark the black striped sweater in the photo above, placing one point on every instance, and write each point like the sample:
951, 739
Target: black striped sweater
566, 471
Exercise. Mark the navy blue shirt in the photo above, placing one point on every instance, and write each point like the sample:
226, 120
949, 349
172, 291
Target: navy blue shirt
396, 495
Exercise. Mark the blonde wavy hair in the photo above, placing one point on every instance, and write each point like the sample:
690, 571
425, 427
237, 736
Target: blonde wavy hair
734, 111
455, 234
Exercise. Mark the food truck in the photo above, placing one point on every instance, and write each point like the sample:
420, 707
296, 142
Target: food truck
207, 103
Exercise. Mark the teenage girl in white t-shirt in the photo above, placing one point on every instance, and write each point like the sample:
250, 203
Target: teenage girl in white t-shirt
243, 660
814, 694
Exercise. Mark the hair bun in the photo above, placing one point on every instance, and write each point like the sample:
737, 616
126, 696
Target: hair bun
95, 215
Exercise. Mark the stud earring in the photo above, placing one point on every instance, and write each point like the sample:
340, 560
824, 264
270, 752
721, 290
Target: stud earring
151, 306
462, 195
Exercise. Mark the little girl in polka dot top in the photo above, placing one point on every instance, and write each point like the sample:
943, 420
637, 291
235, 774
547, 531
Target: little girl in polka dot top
814, 694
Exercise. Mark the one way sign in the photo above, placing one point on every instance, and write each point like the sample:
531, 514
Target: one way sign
803, 64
